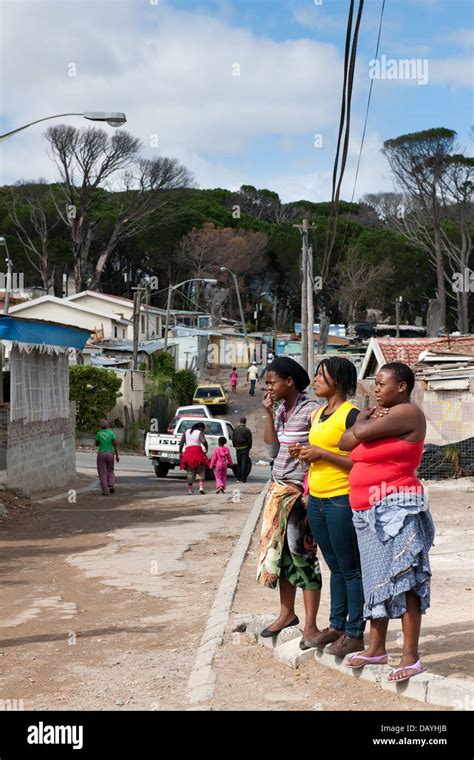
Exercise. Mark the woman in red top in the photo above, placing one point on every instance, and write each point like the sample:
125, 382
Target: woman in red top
390, 513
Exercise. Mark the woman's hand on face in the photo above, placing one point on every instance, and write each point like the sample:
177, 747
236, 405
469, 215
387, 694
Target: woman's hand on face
310, 454
267, 402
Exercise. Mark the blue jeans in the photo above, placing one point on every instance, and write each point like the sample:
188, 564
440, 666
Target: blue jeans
252, 387
330, 521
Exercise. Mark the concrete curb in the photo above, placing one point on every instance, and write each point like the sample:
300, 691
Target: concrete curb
426, 687
91, 487
202, 679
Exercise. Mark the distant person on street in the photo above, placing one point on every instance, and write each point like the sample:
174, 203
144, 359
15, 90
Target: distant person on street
270, 358
242, 441
252, 375
233, 380
194, 459
106, 441
220, 460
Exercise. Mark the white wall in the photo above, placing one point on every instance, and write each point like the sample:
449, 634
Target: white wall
54, 312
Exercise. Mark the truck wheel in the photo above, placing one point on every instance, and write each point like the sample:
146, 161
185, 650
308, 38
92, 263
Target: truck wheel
161, 470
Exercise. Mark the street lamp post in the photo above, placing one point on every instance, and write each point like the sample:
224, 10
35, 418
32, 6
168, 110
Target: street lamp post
170, 291
112, 118
244, 328
8, 283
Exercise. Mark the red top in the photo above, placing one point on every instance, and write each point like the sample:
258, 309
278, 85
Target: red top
383, 467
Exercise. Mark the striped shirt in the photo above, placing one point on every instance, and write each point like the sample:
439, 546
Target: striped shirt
295, 430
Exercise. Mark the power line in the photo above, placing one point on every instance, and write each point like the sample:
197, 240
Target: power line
350, 55
368, 102
365, 120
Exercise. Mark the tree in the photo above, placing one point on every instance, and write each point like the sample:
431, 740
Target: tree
95, 392
203, 251
419, 162
361, 283
87, 159
457, 191
32, 213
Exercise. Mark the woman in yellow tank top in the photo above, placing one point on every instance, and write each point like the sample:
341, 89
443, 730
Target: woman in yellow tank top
329, 512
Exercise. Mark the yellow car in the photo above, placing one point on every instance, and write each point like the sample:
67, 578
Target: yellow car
212, 396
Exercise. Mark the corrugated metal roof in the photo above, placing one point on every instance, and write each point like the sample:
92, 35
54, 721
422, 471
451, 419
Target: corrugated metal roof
147, 346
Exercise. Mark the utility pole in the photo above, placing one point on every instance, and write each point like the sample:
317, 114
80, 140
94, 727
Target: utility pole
147, 310
310, 315
137, 297
208, 280
398, 301
305, 287
168, 310
241, 311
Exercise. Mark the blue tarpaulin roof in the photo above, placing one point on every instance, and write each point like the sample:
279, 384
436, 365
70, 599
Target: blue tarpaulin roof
39, 332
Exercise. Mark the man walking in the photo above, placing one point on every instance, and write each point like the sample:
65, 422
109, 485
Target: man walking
242, 440
252, 375
107, 443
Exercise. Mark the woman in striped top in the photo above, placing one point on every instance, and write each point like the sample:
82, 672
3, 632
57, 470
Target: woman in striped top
288, 557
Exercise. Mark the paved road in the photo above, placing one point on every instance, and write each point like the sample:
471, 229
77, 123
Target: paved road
138, 469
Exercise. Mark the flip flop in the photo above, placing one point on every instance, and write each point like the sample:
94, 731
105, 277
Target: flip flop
367, 660
417, 667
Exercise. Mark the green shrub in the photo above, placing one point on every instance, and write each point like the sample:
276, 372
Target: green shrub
157, 385
162, 364
183, 385
95, 391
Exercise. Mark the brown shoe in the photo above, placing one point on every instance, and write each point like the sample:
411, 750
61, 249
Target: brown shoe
345, 645
322, 639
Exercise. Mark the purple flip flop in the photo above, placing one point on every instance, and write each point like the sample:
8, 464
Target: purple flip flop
367, 660
417, 667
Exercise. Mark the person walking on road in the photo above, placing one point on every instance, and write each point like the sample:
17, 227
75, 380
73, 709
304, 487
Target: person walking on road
270, 358
106, 441
252, 375
220, 461
242, 442
233, 380
194, 459
288, 554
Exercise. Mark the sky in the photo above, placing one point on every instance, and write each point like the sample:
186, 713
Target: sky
239, 91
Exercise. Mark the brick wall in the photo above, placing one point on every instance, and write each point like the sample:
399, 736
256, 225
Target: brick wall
4, 416
41, 455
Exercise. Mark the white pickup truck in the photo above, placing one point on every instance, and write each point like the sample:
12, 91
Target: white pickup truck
163, 449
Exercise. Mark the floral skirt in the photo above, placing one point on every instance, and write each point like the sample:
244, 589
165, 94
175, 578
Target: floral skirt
391, 568
287, 548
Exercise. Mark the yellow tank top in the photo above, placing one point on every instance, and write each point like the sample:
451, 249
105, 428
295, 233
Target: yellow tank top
327, 479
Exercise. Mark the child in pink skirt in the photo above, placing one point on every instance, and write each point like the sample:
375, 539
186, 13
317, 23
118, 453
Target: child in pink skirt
233, 380
220, 460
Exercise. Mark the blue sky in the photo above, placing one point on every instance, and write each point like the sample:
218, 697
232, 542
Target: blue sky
170, 67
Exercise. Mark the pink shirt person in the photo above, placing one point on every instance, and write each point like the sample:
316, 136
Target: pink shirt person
220, 460
233, 379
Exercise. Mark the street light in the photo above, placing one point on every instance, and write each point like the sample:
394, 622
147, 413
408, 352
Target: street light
9, 276
175, 287
112, 118
244, 328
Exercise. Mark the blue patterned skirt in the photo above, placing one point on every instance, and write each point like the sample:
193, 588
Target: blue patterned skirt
394, 566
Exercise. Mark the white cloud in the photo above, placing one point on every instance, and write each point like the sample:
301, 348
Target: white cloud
456, 72
171, 72
459, 37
